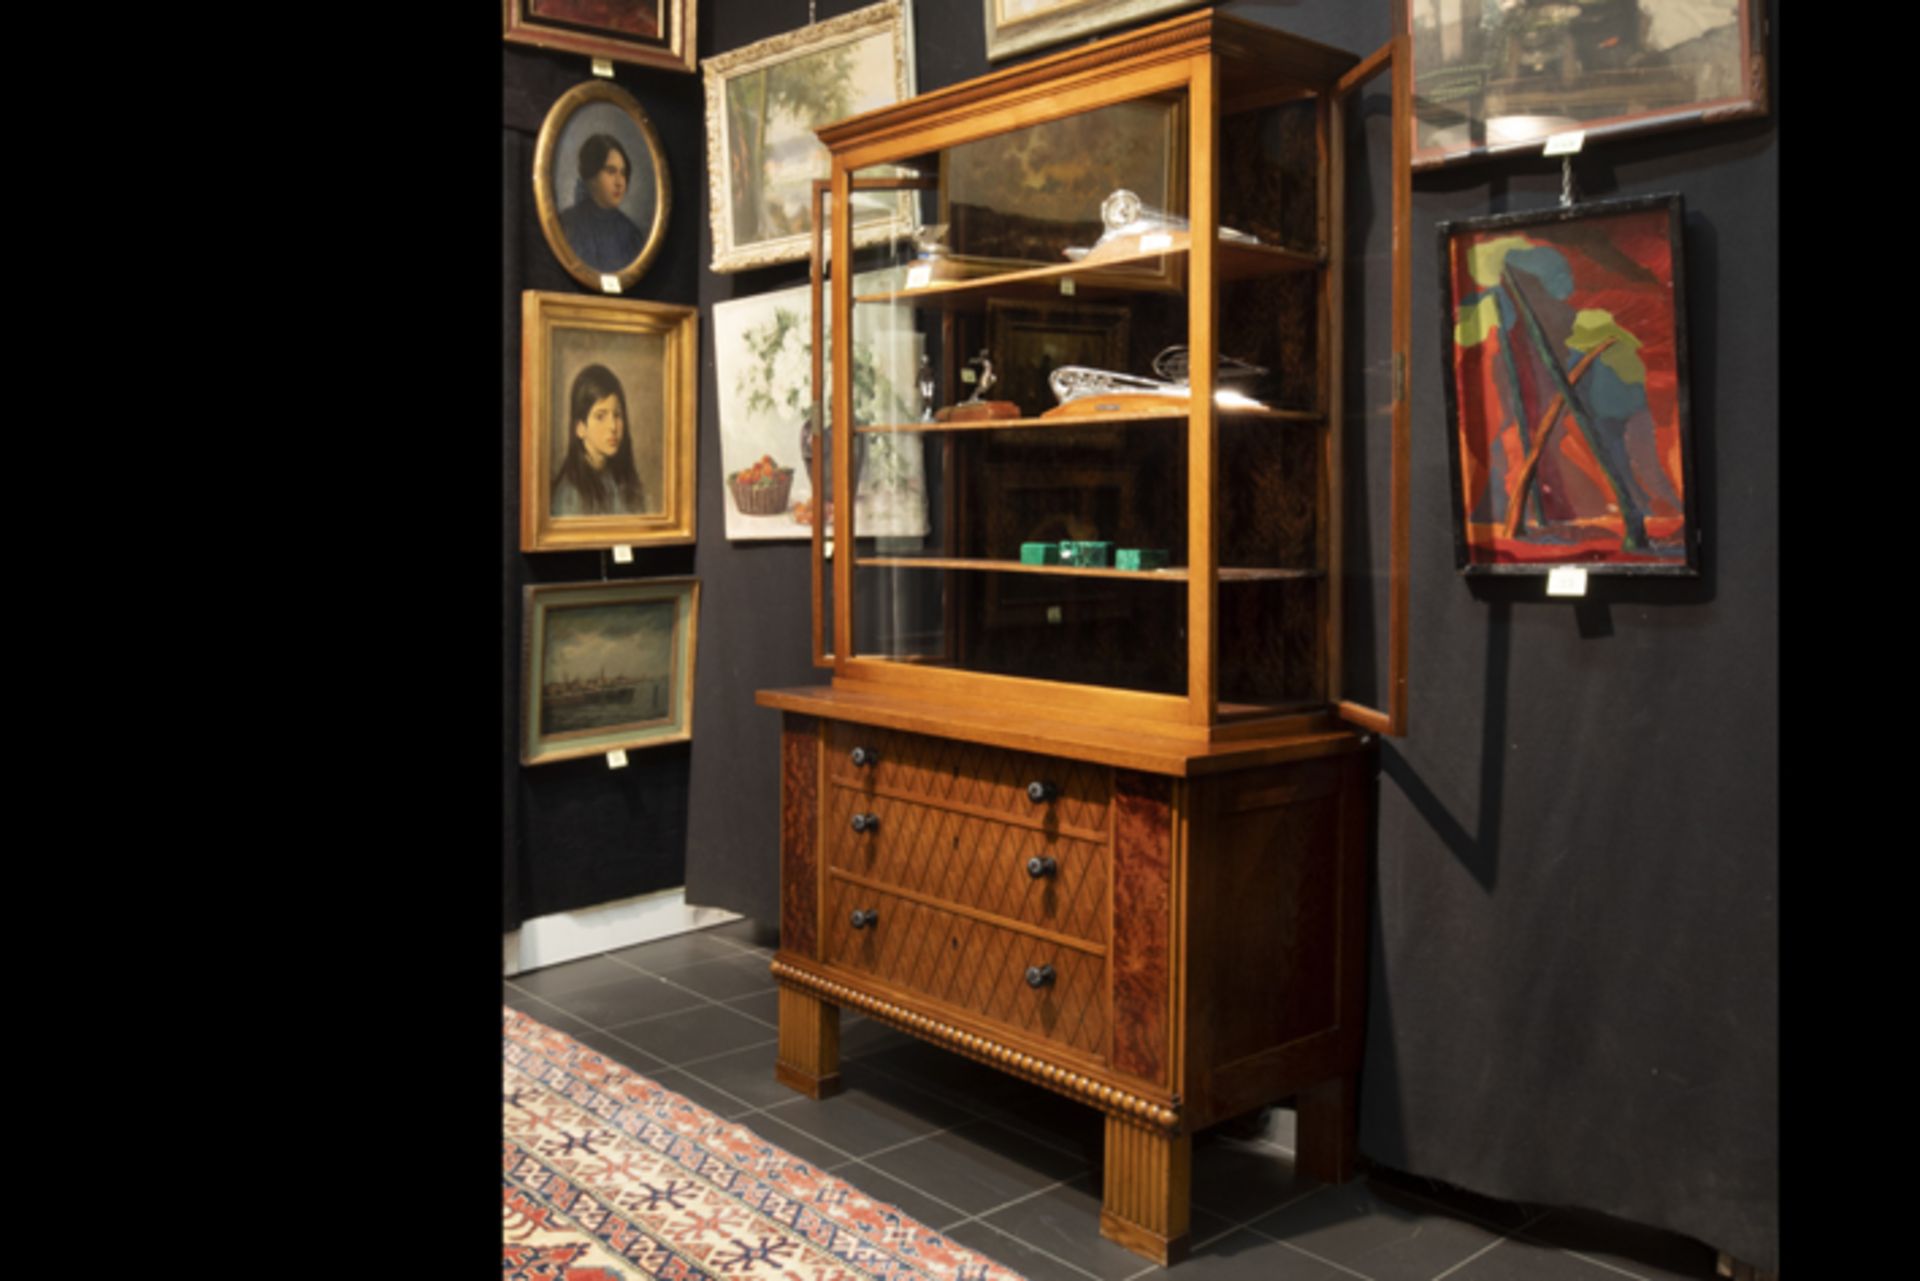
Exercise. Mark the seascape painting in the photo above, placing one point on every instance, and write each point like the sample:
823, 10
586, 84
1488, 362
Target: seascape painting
1566, 390
607, 665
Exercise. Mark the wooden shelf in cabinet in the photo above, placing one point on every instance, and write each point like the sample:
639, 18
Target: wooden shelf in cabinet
1161, 270
1173, 574
1170, 417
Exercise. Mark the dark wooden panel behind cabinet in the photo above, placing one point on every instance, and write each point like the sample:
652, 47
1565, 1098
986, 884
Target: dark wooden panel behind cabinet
1142, 921
799, 824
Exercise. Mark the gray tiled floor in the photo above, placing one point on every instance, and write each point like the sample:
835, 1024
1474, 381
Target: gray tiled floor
1012, 1171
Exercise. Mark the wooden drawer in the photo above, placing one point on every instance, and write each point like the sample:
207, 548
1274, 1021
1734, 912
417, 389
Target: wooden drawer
966, 777
956, 857
970, 963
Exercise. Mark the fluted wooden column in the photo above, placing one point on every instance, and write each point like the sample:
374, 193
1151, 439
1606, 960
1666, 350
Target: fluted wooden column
809, 1044
1148, 1180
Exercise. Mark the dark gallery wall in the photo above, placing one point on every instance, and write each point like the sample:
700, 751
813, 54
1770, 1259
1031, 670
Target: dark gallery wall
1574, 976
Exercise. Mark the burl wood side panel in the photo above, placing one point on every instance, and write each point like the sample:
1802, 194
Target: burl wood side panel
1142, 922
799, 821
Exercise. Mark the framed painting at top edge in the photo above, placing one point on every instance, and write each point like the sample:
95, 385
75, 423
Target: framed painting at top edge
1014, 26
1489, 79
651, 33
600, 186
607, 422
606, 665
1566, 383
765, 100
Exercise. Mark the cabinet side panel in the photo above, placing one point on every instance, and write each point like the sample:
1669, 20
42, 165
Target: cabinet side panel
799, 825
1142, 937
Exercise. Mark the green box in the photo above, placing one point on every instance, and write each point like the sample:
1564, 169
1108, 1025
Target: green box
1140, 558
1086, 553
1039, 553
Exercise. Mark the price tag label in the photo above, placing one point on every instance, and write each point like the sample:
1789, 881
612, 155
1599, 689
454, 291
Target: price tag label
603, 67
1568, 580
617, 758
1066, 286
1565, 144
1154, 241
623, 555
969, 375
919, 277
609, 284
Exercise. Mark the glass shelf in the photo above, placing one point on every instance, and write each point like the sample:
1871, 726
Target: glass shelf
1171, 574
1172, 417
1160, 270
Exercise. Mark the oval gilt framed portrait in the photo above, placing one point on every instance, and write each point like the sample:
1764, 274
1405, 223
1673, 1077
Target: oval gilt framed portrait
600, 185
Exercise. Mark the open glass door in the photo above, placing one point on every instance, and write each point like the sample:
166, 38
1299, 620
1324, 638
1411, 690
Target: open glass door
1371, 273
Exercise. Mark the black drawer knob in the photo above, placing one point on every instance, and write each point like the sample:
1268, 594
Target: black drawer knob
1040, 865
1039, 976
864, 756
863, 917
865, 822
1039, 791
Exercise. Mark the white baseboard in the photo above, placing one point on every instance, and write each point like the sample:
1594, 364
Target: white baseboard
568, 936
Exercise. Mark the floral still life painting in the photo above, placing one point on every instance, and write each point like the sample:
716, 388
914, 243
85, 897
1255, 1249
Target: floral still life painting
764, 378
1566, 390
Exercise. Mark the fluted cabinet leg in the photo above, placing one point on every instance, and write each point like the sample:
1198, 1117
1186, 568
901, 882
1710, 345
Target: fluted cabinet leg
1148, 1185
809, 1044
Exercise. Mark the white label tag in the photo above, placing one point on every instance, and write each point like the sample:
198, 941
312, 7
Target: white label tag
1564, 144
1154, 241
609, 284
1066, 286
969, 375
603, 67
919, 277
617, 758
623, 555
1568, 580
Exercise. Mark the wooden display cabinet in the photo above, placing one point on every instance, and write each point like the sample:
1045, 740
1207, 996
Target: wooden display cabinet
1106, 829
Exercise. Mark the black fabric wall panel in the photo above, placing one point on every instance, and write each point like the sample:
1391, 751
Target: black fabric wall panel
577, 833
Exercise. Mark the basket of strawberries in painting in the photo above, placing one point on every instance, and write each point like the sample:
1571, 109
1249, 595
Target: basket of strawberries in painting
762, 489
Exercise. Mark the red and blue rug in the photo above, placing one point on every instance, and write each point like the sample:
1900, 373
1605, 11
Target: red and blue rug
609, 1177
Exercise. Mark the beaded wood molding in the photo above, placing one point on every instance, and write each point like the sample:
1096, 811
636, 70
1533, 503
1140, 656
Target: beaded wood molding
1105, 1097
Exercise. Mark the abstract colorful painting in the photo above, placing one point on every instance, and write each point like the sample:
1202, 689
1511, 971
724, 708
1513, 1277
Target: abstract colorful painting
1567, 390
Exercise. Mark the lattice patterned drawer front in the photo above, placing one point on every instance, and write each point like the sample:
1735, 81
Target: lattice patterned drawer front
970, 963
967, 776
1029, 874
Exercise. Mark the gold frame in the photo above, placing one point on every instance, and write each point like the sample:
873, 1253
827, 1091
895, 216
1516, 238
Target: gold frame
674, 51
541, 313
546, 205
674, 726
1065, 20
893, 18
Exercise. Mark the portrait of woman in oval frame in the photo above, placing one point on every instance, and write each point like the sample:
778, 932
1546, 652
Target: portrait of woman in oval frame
600, 186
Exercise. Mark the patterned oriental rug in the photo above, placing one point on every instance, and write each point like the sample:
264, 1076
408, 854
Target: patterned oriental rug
609, 1177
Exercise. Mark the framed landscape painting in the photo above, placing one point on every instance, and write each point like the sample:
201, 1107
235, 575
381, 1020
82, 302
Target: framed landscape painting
764, 102
1567, 390
606, 666
1493, 78
607, 417
652, 33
